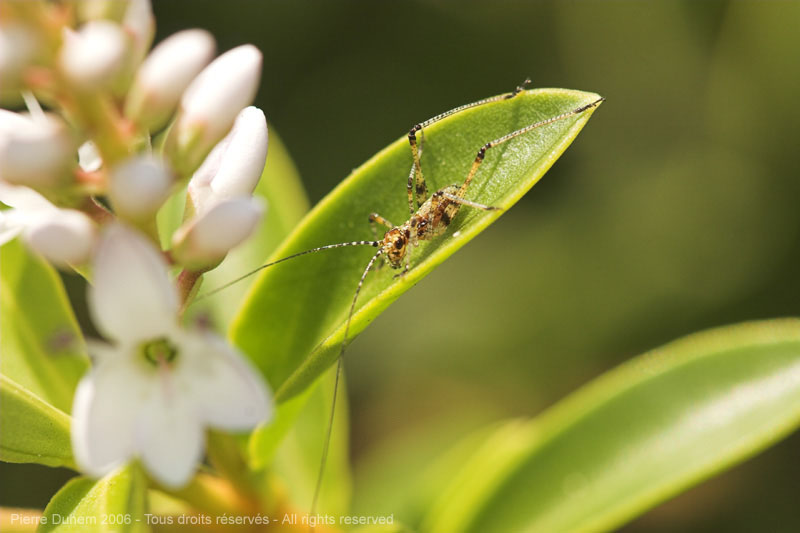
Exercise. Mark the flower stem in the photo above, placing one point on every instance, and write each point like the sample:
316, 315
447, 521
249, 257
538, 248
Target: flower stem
188, 284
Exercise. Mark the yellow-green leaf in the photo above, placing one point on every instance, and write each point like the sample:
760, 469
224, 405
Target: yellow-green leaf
633, 437
114, 503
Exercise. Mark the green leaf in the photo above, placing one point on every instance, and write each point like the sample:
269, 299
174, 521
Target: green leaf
41, 346
297, 458
633, 437
32, 430
114, 503
293, 320
43, 357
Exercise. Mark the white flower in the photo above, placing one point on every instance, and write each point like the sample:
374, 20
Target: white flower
63, 236
165, 74
212, 101
139, 186
234, 166
92, 57
34, 152
152, 393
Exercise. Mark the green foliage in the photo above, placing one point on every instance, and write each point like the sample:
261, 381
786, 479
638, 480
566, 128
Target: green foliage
293, 320
42, 346
634, 437
43, 357
32, 430
115, 503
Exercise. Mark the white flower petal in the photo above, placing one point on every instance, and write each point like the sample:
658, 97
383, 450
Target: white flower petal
244, 158
35, 152
8, 227
165, 74
65, 237
211, 103
94, 55
200, 185
210, 236
104, 414
140, 24
24, 198
170, 439
225, 388
132, 297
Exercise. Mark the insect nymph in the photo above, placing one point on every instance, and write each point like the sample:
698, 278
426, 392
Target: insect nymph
429, 216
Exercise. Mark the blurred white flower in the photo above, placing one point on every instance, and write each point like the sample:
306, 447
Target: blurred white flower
165, 74
212, 101
18, 45
152, 393
140, 25
205, 240
34, 152
234, 166
62, 236
92, 57
139, 186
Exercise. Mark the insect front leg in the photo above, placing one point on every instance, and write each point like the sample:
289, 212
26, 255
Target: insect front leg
375, 218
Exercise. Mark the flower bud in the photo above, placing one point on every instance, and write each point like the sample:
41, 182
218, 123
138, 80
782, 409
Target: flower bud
64, 237
139, 186
204, 241
140, 25
165, 74
211, 103
92, 57
36, 153
18, 45
234, 166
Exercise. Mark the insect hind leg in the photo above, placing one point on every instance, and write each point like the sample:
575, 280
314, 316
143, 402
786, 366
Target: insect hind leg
464, 201
505, 138
417, 187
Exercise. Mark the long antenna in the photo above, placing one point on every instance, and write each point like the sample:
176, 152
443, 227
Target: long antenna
326, 446
262, 267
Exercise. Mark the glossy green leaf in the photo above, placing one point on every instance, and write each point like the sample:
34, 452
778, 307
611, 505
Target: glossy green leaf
633, 437
41, 346
293, 320
113, 503
32, 430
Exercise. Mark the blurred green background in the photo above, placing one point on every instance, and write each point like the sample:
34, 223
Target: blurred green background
674, 211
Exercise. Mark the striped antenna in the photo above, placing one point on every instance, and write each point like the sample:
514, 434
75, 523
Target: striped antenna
266, 265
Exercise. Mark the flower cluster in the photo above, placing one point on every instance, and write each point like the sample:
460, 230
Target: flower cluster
111, 132
91, 155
